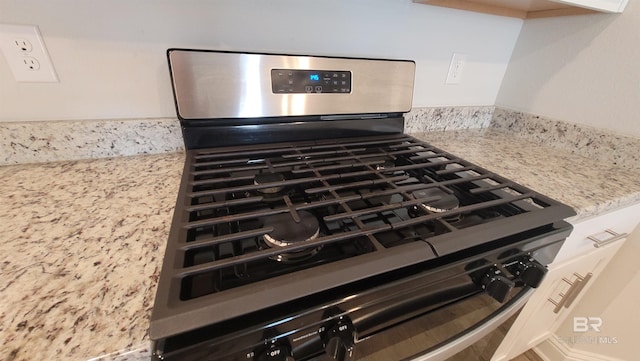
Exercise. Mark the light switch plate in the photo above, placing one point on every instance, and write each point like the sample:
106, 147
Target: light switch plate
26, 53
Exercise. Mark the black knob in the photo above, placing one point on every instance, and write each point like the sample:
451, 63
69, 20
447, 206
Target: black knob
339, 339
528, 270
337, 349
496, 285
276, 352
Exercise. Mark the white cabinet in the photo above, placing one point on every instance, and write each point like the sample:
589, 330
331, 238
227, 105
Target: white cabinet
527, 9
563, 286
620, 221
612, 6
581, 260
611, 303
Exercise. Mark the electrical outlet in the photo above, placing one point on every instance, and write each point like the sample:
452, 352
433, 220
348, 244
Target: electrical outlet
26, 54
454, 76
24, 46
31, 63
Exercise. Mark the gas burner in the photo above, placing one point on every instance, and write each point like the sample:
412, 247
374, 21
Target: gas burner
443, 203
268, 178
383, 166
287, 231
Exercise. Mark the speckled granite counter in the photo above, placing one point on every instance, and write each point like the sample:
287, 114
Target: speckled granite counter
81, 242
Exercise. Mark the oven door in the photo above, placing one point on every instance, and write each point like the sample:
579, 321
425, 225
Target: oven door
441, 333
429, 316
428, 311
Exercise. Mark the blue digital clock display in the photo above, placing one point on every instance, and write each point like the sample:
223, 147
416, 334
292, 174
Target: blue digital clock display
310, 81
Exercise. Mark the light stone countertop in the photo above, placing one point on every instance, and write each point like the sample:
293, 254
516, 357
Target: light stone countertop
81, 242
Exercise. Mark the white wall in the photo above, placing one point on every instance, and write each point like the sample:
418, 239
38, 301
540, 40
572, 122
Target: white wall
110, 55
581, 69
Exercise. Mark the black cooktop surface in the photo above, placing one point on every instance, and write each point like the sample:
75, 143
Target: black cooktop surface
278, 221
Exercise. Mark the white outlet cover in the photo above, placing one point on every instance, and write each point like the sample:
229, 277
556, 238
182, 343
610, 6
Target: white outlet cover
454, 75
16, 57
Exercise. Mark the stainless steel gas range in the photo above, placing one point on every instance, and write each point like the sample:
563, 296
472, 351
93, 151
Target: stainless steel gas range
309, 227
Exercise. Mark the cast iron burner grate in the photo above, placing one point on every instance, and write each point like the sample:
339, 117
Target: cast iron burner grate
371, 201
365, 195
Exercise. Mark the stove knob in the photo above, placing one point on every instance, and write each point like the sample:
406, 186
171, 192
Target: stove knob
496, 285
276, 352
339, 340
339, 349
528, 270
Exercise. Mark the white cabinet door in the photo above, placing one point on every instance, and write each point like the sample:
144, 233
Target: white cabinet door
562, 288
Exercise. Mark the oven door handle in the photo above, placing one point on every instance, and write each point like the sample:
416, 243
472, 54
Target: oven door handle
455, 344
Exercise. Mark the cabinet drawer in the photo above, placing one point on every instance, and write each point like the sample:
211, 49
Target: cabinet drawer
589, 233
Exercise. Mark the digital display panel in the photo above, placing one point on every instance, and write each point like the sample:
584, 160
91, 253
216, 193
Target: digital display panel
310, 81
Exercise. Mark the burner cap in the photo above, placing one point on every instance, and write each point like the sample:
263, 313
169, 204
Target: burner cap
446, 201
286, 231
267, 178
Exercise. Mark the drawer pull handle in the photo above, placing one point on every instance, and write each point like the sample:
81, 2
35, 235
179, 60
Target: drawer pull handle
597, 242
580, 285
566, 280
576, 287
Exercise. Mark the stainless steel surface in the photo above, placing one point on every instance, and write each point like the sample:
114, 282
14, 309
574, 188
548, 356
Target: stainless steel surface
615, 236
580, 283
575, 288
210, 84
563, 298
457, 344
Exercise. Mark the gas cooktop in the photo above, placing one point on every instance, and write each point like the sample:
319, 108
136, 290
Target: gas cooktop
260, 224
